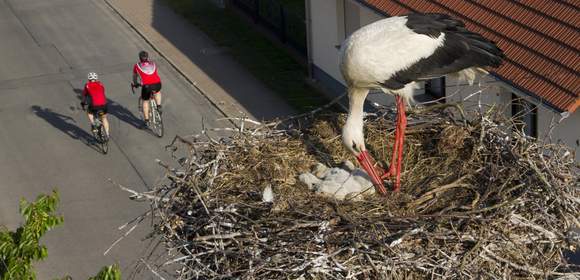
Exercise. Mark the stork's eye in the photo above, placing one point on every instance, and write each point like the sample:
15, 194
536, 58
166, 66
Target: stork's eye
354, 147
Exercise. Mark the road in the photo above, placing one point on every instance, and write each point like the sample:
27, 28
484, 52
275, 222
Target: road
47, 49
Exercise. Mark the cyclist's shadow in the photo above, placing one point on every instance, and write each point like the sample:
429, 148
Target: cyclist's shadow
117, 110
65, 124
123, 114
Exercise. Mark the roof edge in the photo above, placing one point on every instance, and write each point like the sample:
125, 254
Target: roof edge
574, 106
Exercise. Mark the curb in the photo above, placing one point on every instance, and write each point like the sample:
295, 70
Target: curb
175, 67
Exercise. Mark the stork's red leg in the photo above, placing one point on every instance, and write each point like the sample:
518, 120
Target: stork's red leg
368, 164
402, 125
392, 166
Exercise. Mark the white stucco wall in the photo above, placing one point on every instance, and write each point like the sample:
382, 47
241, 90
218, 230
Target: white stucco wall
486, 91
332, 21
567, 131
325, 35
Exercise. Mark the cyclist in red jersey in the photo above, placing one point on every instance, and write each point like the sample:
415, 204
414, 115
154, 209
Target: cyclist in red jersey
145, 75
94, 93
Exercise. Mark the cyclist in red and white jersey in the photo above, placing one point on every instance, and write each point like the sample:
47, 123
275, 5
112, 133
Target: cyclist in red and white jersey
145, 75
94, 96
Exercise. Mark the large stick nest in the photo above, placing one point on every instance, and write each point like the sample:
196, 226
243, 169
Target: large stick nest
478, 200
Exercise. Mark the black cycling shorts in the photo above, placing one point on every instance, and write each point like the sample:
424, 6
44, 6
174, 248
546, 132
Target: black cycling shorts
96, 110
148, 90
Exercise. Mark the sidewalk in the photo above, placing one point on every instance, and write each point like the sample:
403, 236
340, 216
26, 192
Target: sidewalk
217, 75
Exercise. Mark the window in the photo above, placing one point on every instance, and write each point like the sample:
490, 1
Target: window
525, 116
436, 88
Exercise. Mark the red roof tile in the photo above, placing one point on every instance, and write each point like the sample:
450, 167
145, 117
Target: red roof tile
540, 38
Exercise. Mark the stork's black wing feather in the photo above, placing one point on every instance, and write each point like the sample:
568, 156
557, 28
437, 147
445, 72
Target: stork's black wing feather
461, 49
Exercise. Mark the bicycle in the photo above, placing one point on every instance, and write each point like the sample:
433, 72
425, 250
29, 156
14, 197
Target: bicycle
155, 123
99, 133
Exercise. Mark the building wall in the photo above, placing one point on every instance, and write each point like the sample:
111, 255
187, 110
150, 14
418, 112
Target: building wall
332, 22
493, 92
486, 91
325, 35
566, 132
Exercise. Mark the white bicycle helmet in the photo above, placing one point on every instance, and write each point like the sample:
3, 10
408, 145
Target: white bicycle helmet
92, 76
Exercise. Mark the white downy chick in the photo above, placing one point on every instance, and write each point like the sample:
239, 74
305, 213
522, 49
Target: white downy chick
337, 182
340, 183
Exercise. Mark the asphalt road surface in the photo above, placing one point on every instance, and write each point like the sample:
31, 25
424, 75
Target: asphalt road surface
46, 50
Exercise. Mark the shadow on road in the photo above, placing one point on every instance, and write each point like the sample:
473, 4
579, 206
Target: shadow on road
65, 124
123, 114
79, 93
117, 110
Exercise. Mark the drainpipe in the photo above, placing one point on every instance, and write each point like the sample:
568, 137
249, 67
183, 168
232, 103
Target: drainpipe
309, 37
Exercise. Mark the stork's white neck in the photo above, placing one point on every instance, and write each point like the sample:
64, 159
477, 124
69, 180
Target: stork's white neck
352, 132
356, 100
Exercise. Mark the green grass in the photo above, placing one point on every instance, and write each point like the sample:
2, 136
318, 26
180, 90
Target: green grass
269, 62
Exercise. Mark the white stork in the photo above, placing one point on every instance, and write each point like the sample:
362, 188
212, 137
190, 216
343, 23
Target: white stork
393, 54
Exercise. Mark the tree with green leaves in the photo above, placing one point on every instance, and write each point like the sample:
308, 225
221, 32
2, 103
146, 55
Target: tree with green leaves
18, 249
111, 272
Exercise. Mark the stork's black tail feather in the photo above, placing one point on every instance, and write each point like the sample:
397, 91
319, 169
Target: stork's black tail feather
461, 48
486, 51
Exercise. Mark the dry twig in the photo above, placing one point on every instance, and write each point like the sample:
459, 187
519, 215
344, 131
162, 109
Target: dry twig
478, 201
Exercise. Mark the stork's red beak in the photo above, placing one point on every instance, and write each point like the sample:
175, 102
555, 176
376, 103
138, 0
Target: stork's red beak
368, 164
